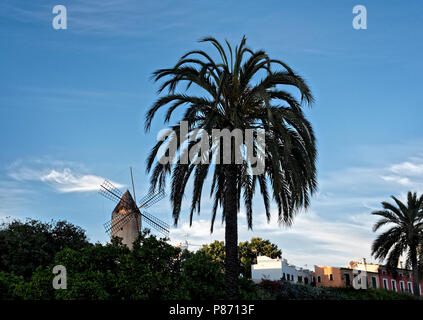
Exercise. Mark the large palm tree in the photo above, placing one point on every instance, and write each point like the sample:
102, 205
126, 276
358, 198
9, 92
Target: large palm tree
241, 89
405, 235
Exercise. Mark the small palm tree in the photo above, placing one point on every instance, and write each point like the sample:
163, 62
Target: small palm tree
404, 237
242, 90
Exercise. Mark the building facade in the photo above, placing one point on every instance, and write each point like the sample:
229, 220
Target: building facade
325, 276
358, 275
363, 275
289, 272
402, 282
304, 276
266, 268
279, 269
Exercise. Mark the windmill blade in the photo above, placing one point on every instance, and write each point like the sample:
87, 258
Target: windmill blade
152, 198
113, 227
156, 223
156, 220
109, 191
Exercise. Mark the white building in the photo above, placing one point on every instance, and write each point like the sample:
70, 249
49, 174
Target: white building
278, 269
289, 272
266, 268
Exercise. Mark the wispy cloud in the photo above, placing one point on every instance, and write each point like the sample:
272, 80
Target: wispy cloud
59, 175
103, 17
12, 197
67, 98
408, 174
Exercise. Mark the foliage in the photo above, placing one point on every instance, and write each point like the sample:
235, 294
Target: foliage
215, 250
26, 245
202, 277
39, 287
8, 284
154, 269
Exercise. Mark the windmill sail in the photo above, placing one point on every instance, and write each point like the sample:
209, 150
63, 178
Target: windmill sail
109, 191
156, 223
151, 198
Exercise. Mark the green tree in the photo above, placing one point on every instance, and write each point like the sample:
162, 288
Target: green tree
215, 250
38, 287
248, 252
202, 276
8, 284
404, 236
154, 270
242, 89
26, 245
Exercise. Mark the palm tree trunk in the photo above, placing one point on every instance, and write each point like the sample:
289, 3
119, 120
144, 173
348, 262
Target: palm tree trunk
231, 233
416, 278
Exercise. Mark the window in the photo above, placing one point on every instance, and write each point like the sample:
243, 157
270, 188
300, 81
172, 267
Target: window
383, 272
394, 285
347, 279
283, 276
374, 282
319, 279
331, 277
402, 288
300, 278
410, 287
385, 284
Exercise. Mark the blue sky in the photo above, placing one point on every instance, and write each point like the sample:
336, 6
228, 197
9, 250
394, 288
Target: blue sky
72, 105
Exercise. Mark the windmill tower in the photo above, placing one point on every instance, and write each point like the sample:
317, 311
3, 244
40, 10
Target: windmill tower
126, 208
127, 218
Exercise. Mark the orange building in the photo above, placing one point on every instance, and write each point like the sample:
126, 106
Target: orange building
332, 277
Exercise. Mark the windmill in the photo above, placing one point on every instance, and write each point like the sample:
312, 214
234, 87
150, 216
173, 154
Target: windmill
127, 216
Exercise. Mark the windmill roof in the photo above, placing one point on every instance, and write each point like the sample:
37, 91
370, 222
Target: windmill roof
126, 203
